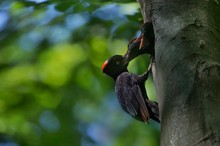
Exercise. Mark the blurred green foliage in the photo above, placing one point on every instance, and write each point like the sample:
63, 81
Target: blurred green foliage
52, 90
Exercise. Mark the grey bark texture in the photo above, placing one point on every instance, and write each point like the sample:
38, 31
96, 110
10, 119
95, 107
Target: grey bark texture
187, 69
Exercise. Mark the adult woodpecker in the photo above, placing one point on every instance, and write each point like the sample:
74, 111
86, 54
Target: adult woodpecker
144, 44
130, 90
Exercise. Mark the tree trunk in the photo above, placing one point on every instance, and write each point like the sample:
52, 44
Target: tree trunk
187, 69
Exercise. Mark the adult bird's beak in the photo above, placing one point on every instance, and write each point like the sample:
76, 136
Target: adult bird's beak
126, 62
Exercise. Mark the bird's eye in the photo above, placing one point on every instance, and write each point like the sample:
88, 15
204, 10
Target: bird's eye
117, 62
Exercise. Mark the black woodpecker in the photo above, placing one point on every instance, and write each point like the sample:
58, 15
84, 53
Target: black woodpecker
130, 90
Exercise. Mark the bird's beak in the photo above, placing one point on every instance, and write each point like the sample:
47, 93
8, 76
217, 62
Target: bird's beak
141, 44
138, 39
126, 61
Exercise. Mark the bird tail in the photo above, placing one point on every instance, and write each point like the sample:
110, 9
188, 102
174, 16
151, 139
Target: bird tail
154, 110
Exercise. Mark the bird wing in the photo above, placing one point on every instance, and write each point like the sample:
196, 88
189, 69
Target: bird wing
130, 96
141, 101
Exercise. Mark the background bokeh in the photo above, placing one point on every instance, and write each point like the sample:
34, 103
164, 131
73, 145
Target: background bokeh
52, 89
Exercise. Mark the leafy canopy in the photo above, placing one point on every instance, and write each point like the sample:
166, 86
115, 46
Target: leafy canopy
52, 90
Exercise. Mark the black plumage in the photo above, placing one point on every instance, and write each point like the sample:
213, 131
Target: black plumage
130, 90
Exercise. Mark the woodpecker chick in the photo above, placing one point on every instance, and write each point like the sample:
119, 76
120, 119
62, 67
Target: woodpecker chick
147, 37
144, 44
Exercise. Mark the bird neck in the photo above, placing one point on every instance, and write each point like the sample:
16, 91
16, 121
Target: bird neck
115, 76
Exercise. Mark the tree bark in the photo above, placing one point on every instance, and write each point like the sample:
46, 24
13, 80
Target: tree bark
187, 69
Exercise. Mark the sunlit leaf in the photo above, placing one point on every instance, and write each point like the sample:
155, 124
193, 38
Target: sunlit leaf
55, 65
